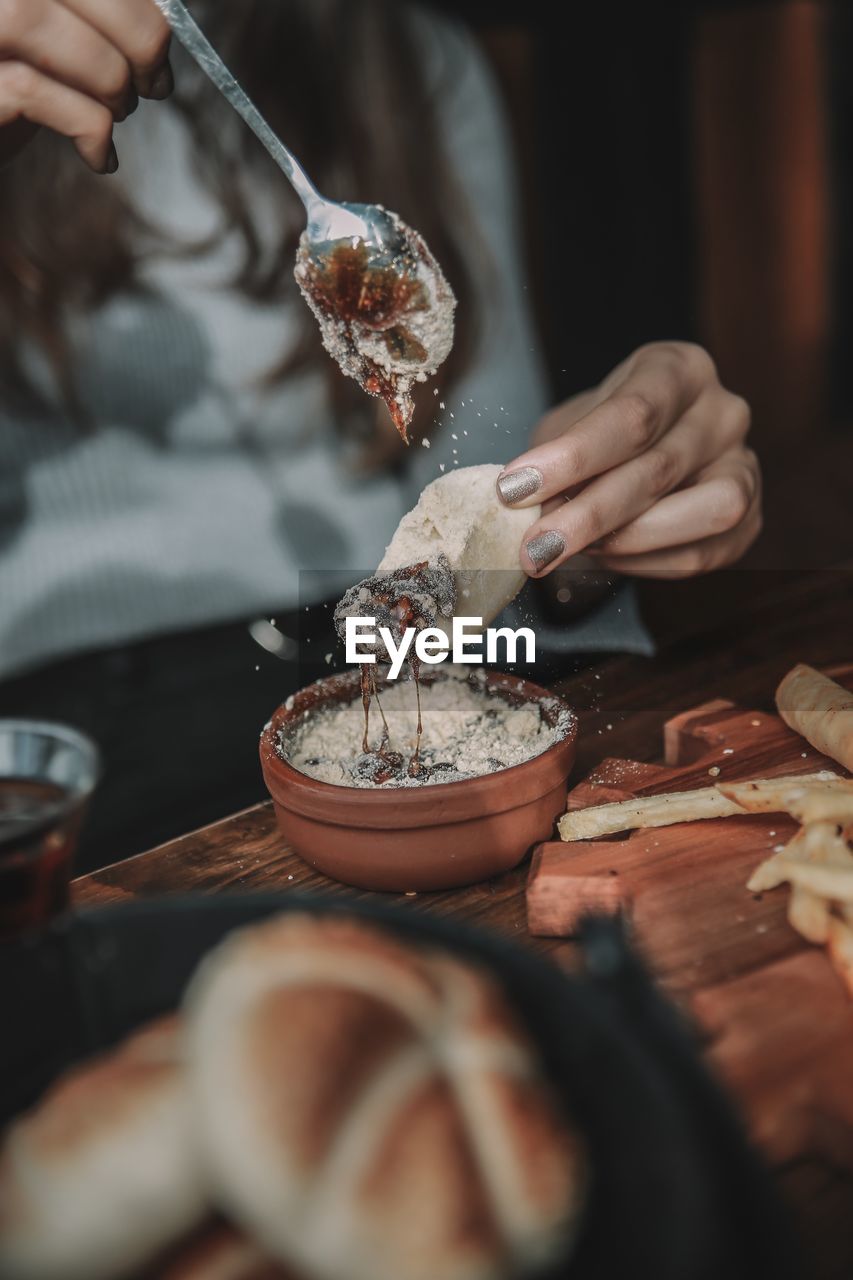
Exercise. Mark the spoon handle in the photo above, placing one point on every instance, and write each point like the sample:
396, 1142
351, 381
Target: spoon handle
187, 31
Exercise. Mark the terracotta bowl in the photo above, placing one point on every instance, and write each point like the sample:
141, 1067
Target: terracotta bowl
437, 836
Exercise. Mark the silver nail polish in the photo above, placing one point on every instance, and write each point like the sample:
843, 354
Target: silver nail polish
545, 547
515, 486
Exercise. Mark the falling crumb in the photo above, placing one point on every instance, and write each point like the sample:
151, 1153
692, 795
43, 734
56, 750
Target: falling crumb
771, 833
425, 443
755, 722
257, 668
441, 466
411, 893
453, 436
728, 751
441, 404
804, 754
328, 659
777, 848
610, 726
290, 877
714, 771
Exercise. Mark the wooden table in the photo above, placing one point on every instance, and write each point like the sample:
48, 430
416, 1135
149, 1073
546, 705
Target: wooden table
733, 637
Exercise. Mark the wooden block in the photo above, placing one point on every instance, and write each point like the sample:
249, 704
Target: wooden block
558, 897
782, 1039
689, 736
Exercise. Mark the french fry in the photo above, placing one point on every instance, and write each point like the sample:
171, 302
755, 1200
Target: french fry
834, 883
771, 873
809, 914
840, 947
682, 806
821, 710
793, 793
647, 811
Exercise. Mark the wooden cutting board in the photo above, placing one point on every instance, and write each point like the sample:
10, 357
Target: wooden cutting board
777, 1021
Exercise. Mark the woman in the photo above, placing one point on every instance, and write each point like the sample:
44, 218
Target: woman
177, 451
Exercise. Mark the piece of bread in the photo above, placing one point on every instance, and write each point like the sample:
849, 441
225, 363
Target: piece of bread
460, 516
820, 709
101, 1174
373, 1111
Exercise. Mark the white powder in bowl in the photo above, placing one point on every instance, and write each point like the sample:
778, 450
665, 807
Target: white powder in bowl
470, 729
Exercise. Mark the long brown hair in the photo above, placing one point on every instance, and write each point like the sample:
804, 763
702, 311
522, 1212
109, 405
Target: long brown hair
343, 82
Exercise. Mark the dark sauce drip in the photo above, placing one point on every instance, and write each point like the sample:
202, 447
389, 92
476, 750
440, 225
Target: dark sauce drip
405, 614
413, 596
350, 288
415, 766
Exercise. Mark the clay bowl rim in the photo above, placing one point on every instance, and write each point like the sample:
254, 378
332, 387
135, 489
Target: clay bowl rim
337, 805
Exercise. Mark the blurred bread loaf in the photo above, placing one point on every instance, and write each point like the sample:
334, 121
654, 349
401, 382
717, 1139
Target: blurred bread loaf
218, 1253
369, 1111
460, 516
101, 1175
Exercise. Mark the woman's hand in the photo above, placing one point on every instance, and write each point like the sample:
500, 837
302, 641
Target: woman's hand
648, 473
78, 66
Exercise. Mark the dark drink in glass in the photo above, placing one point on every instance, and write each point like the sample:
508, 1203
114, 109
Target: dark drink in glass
47, 773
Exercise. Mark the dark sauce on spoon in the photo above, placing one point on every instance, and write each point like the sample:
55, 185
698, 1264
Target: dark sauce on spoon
348, 287
385, 316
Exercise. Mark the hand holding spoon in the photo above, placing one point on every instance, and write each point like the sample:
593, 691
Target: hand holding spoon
384, 307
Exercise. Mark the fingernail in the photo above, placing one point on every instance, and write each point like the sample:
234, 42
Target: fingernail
546, 547
515, 486
112, 160
162, 84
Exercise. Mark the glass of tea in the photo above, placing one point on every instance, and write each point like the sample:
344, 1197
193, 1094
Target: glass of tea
47, 774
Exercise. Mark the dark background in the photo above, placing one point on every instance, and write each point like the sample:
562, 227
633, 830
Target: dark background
686, 171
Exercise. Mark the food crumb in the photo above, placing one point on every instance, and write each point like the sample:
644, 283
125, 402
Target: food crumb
714, 771
728, 751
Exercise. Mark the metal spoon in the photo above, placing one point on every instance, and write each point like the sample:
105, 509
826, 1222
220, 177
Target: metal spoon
327, 219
